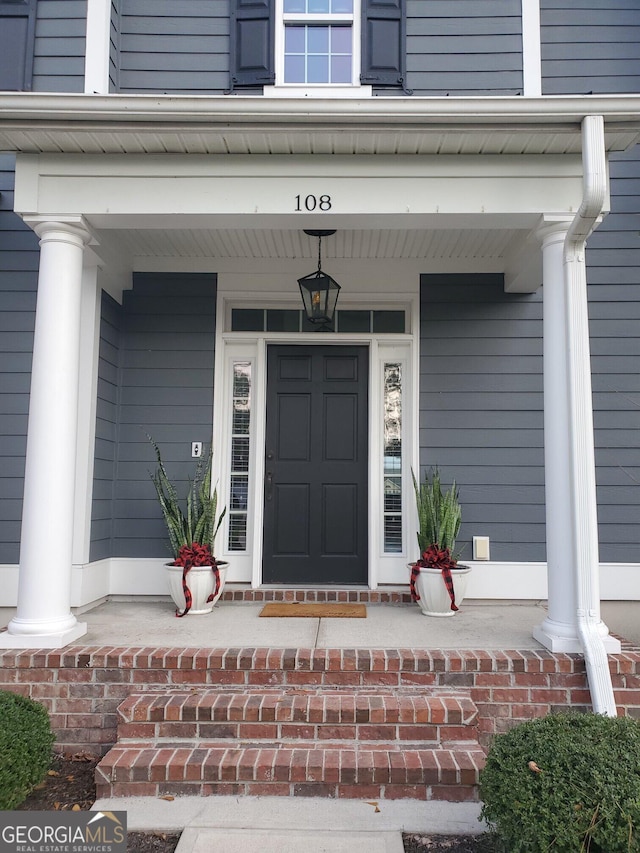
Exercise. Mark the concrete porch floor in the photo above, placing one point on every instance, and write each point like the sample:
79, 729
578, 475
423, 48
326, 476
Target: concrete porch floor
494, 625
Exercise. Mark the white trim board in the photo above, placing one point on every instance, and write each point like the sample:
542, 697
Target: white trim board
491, 580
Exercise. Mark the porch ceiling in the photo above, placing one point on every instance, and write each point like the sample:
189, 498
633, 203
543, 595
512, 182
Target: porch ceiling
374, 244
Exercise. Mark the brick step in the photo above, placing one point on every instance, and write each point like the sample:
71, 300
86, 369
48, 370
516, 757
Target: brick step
389, 771
296, 714
399, 594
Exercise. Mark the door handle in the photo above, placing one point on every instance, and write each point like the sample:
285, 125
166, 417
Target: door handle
268, 488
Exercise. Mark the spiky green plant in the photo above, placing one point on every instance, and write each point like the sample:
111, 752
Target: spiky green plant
201, 522
439, 513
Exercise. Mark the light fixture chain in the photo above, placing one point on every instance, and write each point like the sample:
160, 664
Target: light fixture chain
319, 251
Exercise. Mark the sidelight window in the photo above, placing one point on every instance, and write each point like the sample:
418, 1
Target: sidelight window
392, 458
240, 456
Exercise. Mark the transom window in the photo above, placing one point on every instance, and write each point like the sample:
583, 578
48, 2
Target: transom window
320, 39
292, 320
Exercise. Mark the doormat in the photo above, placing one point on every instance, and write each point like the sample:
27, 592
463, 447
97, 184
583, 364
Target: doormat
315, 611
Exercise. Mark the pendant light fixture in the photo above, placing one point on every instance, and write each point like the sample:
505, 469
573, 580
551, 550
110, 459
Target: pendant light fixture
318, 289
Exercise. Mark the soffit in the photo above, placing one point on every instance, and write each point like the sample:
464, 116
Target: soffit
407, 141
92, 124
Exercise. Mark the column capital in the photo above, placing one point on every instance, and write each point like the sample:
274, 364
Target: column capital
61, 229
553, 229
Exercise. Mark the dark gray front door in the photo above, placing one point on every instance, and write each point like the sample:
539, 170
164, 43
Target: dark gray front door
315, 521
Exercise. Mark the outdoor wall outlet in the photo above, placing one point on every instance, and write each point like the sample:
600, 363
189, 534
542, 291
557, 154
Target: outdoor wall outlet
196, 449
481, 548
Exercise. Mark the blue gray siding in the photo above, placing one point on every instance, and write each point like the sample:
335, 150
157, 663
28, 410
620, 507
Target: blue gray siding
166, 391
481, 413
174, 46
58, 63
464, 48
613, 258
461, 48
17, 32
18, 284
106, 443
590, 46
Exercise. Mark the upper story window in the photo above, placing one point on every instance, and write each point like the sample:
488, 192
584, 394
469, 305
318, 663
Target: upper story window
318, 41
316, 44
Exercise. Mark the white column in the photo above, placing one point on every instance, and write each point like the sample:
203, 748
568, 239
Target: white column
560, 623
571, 509
44, 618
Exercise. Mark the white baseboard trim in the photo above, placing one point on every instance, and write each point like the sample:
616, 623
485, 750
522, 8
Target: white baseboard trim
8, 585
124, 576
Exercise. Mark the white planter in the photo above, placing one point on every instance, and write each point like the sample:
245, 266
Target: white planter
434, 596
201, 581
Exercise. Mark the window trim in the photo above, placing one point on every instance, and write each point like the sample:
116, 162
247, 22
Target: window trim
354, 88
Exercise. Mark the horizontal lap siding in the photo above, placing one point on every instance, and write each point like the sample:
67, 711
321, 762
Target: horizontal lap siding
590, 46
58, 63
166, 391
613, 259
464, 48
174, 47
19, 256
106, 429
481, 414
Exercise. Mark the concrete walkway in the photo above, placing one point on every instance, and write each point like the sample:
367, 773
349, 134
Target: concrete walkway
313, 825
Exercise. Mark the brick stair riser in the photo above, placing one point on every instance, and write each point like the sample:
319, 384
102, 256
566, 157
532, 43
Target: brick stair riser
157, 732
170, 790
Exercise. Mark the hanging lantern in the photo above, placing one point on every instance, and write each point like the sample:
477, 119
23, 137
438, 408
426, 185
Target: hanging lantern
319, 291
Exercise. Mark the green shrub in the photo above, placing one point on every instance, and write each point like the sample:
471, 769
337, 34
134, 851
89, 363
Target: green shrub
565, 783
25, 747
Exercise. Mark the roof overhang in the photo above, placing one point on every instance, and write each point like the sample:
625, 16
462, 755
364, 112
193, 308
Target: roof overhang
420, 129
95, 124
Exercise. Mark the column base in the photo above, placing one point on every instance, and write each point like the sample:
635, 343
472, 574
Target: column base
53, 640
559, 637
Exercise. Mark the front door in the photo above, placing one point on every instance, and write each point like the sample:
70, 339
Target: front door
315, 520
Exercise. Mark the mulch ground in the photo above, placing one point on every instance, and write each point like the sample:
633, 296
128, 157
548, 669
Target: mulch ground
70, 786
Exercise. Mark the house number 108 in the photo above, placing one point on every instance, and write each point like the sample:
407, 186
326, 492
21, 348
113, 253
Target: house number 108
313, 202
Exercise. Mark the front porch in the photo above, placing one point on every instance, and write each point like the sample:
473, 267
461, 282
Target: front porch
391, 623
396, 706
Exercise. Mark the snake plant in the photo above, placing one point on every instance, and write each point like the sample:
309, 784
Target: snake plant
439, 513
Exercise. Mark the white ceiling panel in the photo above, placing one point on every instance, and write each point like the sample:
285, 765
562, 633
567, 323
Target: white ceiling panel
288, 244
